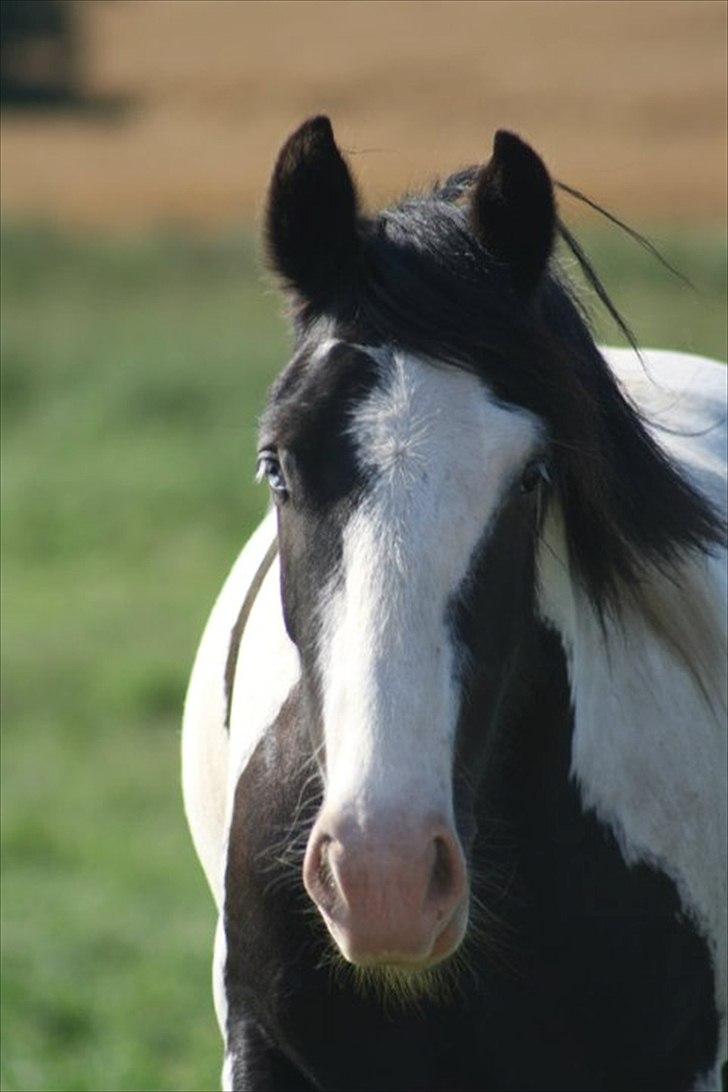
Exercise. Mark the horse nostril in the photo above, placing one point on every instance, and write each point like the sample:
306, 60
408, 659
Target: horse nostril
441, 875
325, 873
447, 881
318, 873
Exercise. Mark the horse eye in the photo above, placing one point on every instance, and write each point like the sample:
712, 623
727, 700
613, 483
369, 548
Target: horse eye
535, 474
269, 467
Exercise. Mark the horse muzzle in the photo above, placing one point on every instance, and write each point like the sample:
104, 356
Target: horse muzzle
393, 893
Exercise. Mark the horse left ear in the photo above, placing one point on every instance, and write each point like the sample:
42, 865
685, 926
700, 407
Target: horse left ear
513, 212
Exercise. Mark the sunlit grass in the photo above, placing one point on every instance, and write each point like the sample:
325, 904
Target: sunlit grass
133, 374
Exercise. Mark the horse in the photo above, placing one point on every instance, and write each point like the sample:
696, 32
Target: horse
454, 740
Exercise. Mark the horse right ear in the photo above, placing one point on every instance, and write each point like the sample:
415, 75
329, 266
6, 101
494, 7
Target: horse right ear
311, 218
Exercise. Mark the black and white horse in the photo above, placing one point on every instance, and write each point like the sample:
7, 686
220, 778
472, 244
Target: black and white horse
454, 743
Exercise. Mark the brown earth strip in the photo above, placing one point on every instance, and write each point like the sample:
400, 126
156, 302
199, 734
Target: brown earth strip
626, 100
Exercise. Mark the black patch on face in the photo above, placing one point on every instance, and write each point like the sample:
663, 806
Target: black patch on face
307, 423
493, 620
307, 420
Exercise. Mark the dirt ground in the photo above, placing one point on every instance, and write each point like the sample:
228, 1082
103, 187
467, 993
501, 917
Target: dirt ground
626, 100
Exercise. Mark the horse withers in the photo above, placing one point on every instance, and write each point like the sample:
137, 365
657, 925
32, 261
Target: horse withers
454, 742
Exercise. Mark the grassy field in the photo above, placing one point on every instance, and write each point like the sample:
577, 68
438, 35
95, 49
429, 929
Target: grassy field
133, 374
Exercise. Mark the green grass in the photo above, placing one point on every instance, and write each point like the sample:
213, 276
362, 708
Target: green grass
132, 377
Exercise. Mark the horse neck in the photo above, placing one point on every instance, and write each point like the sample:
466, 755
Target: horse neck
648, 698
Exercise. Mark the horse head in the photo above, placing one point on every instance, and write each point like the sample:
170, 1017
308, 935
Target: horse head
442, 401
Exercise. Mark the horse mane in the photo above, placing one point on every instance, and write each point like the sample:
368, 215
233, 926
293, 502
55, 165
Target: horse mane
457, 185
427, 285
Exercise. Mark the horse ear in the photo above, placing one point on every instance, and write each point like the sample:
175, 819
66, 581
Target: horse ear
513, 212
312, 212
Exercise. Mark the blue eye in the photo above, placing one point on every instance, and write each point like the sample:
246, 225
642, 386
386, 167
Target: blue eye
269, 467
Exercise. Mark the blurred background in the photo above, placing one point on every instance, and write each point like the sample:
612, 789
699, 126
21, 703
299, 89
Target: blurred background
139, 335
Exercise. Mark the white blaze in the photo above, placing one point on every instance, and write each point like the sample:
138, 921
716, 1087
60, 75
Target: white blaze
440, 451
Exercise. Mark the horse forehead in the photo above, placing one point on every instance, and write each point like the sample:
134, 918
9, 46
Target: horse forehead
409, 419
438, 424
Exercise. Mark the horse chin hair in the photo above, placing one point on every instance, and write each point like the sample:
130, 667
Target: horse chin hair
397, 989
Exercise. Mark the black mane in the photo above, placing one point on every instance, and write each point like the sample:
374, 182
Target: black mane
424, 283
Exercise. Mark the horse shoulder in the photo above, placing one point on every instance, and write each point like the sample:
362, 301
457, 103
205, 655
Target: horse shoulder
205, 736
